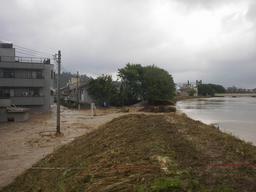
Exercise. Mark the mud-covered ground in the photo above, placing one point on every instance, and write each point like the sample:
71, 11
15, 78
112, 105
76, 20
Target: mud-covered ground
24, 143
146, 152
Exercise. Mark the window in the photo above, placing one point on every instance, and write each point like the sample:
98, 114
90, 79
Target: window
20, 92
27, 74
39, 75
34, 75
27, 92
21, 74
52, 74
4, 93
8, 74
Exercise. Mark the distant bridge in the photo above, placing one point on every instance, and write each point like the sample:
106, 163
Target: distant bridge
235, 95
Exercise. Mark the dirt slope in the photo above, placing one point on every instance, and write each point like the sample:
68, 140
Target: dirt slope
146, 153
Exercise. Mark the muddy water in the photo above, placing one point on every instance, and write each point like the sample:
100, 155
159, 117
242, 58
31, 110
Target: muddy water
24, 143
233, 115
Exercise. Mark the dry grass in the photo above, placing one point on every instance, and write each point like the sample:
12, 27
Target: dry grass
146, 153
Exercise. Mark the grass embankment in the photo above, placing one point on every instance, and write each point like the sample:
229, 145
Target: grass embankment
146, 153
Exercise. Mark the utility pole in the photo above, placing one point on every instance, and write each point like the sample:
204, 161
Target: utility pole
58, 94
77, 90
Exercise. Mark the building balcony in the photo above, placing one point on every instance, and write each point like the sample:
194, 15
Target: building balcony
24, 59
15, 82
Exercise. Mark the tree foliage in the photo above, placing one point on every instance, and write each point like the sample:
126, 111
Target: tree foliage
145, 83
102, 89
210, 89
138, 83
131, 86
157, 84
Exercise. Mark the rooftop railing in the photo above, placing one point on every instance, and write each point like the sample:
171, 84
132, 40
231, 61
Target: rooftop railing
24, 59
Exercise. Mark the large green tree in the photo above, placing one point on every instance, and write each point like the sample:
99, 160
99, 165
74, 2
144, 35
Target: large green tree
102, 89
157, 84
131, 83
149, 83
210, 89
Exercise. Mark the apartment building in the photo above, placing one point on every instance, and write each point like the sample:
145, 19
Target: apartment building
26, 82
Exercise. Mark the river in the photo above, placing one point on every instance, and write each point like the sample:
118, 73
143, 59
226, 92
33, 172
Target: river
233, 115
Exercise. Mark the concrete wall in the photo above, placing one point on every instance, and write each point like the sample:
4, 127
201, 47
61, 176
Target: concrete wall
18, 117
8, 61
5, 102
26, 101
48, 85
7, 54
85, 97
22, 65
3, 115
11, 82
45, 84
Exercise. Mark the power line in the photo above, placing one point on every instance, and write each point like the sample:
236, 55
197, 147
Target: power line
26, 53
31, 50
25, 49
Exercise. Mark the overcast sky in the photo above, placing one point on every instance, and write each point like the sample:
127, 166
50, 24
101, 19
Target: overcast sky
212, 40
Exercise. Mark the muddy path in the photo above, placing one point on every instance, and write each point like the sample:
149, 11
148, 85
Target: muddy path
24, 143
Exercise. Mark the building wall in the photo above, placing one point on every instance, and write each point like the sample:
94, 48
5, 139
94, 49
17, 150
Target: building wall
3, 115
5, 103
48, 85
24, 80
85, 97
18, 117
7, 54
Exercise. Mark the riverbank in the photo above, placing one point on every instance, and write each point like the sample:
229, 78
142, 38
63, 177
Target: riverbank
146, 152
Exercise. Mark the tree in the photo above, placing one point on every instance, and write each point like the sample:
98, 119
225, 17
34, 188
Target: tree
218, 88
210, 89
131, 83
205, 90
145, 83
102, 89
191, 92
157, 84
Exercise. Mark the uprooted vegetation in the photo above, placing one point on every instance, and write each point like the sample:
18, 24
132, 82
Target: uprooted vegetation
146, 153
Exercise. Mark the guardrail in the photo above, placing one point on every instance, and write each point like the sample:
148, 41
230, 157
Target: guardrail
24, 59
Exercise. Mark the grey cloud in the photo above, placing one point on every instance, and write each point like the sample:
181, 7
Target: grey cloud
98, 36
251, 15
209, 4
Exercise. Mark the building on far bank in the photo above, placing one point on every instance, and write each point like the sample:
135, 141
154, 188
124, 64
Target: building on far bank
26, 82
189, 89
76, 91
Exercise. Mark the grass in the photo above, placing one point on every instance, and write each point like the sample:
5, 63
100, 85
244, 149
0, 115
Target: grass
154, 153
